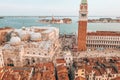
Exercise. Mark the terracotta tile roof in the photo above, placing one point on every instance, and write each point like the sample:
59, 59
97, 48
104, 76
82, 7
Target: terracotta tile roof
80, 78
62, 72
99, 66
17, 74
37, 76
104, 33
1, 72
63, 76
97, 72
45, 71
60, 61
40, 65
88, 69
48, 75
49, 66
61, 68
118, 78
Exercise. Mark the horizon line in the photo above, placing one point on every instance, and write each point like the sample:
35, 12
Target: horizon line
54, 16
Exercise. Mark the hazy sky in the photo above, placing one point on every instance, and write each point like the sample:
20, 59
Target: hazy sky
58, 7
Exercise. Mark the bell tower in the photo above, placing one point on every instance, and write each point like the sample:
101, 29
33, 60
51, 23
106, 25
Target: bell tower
82, 25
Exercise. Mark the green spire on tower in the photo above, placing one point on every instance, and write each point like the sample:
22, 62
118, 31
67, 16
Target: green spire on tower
83, 1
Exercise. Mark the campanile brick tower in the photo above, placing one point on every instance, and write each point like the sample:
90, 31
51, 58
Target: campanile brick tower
82, 26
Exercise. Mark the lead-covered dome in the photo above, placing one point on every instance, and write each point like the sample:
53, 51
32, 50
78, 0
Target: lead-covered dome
23, 34
35, 36
15, 40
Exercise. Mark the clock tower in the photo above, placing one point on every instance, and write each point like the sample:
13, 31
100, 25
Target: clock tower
82, 25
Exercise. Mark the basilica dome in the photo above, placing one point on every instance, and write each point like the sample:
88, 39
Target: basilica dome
23, 34
15, 40
35, 36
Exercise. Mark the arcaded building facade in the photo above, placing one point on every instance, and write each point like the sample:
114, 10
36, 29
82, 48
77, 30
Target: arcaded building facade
103, 39
28, 46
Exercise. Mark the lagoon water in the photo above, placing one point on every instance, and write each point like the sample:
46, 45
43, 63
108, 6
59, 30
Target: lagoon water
19, 22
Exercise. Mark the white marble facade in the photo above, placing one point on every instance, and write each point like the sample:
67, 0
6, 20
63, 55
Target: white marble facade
28, 46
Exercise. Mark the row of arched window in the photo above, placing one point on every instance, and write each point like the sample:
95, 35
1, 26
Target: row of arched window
103, 42
116, 38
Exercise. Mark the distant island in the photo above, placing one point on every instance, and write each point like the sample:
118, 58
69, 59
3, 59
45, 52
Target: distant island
1, 17
56, 21
104, 20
